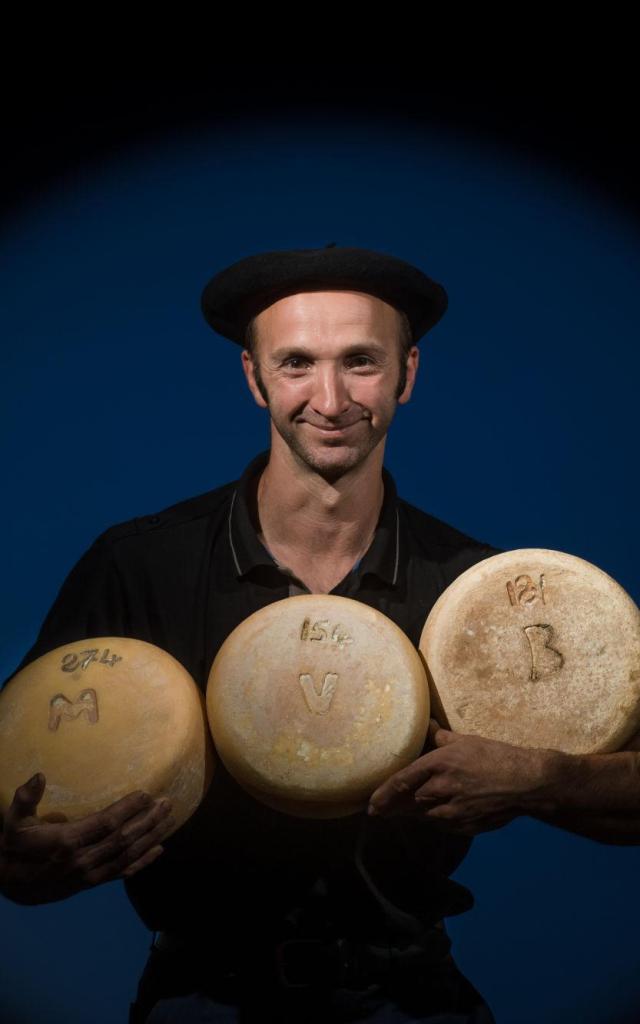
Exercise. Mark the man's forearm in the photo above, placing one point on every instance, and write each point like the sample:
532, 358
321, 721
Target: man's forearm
471, 784
594, 795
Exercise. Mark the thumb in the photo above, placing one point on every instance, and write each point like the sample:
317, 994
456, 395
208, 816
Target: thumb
439, 735
27, 797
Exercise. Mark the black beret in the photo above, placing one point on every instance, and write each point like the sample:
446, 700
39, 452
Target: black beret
241, 291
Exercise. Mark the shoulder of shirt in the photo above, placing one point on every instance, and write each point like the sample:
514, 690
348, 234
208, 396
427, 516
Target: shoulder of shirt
434, 533
188, 511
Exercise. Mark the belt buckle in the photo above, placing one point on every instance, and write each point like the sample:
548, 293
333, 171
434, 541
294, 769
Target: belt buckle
328, 953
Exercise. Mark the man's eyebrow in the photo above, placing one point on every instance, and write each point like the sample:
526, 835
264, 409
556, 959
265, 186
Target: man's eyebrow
355, 348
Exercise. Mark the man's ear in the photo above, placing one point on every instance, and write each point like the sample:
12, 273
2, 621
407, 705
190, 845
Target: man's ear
249, 368
413, 359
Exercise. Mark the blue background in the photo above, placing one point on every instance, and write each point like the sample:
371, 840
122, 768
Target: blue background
118, 400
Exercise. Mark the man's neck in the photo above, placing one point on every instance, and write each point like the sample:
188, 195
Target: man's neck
302, 514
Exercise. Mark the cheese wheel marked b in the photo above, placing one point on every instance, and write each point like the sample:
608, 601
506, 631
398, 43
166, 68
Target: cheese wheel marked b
538, 648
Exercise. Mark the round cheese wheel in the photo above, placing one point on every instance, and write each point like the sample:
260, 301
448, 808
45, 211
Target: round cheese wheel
314, 700
101, 718
537, 648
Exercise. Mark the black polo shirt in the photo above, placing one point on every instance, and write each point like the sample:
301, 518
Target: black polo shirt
183, 579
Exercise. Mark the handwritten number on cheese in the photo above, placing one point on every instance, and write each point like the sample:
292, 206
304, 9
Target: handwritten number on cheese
523, 591
71, 661
321, 630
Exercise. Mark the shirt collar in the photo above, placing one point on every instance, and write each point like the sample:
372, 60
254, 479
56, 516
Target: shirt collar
381, 558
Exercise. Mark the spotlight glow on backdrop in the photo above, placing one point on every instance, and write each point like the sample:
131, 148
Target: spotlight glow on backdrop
119, 400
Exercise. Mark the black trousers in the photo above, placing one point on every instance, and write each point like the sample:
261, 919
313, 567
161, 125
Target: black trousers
261, 992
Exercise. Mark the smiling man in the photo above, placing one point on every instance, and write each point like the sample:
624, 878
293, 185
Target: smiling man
327, 360
256, 912
327, 367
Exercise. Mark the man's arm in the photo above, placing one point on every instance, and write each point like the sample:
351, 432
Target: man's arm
593, 795
469, 784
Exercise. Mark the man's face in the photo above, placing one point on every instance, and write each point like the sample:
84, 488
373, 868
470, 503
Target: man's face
329, 367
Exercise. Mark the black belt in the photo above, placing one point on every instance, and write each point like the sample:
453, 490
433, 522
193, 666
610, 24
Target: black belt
303, 963
310, 963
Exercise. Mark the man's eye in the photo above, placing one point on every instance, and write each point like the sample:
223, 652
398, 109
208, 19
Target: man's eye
298, 362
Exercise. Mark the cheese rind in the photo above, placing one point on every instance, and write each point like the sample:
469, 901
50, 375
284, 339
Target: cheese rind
101, 718
314, 700
537, 648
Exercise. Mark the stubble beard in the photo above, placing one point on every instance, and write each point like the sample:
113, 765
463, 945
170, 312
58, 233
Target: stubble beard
351, 455
320, 459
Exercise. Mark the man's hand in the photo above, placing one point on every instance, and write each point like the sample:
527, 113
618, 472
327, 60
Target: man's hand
46, 860
466, 785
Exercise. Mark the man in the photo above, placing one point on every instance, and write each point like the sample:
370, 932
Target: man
300, 919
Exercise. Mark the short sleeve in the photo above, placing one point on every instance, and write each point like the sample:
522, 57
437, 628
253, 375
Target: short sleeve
90, 603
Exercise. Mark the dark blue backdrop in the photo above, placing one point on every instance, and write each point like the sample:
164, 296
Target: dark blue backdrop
118, 400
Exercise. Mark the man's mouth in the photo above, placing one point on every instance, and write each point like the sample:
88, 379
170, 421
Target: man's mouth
334, 429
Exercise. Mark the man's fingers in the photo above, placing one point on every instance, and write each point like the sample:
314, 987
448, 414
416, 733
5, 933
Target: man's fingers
100, 825
397, 800
439, 735
437, 789
398, 791
432, 730
142, 862
147, 826
111, 830
160, 813
25, 800
100, 867
394, 793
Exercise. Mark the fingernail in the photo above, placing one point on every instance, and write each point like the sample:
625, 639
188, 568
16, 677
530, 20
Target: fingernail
371, 810
34, 780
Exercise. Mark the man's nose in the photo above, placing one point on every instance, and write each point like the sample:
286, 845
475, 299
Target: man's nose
330, 393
